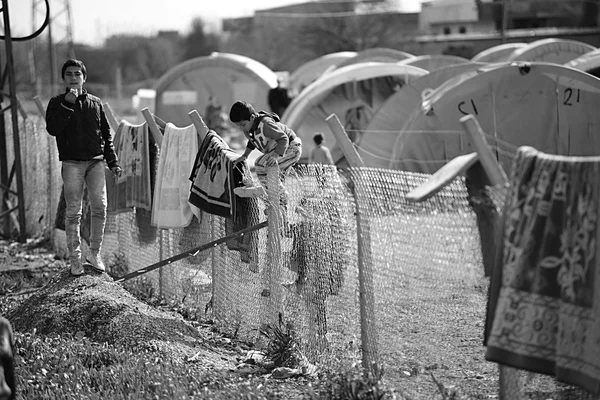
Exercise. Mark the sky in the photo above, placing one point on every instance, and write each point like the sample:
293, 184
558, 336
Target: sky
94, 20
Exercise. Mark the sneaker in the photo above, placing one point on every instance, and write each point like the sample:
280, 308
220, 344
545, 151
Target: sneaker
96, 260
76, 267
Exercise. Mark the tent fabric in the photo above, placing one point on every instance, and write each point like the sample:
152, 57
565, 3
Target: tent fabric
353, 93
589, 62
497, 53
557, 51
547, 106
387, 122
227, 77
313, 69
433, 61
377, 54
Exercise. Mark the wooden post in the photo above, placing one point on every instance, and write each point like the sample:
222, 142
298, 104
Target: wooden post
354, 159
368, 326
111, 117
492, 168
274, 265
201, 127
40, 106
154, 129
508, 377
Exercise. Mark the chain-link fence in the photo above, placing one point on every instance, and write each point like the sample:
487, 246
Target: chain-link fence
354, 269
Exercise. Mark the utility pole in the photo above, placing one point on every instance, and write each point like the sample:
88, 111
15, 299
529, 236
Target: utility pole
60, 35
505, 5
16, 171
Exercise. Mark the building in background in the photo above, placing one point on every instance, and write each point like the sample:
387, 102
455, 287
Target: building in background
445, 17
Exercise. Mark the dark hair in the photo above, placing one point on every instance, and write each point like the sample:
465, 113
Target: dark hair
73, 63
318, 138
241, 111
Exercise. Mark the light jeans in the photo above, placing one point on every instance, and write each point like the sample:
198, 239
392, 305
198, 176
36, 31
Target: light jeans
75, 174
286, 162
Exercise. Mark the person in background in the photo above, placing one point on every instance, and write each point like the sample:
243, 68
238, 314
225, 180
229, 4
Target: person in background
321, 153
77, 120
278, 143
279, 98
212, 113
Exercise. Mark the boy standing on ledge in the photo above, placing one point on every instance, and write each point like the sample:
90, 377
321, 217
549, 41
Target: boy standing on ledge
77, 120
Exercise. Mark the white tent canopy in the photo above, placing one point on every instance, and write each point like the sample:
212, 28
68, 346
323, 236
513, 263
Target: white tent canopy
376, 54
497, 53
311, 70
387, 122
547, 106
589, 62
433, 61
353, 93
557, 51
227, 77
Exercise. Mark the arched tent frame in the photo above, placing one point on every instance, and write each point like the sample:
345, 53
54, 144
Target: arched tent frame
398, 108
376, 54
229, 77
548, 106
313, 69
589, 62
559, 51
434, 61
307, 113
497, 53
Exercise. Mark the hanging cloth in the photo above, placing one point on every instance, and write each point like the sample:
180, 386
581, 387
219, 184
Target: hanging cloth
544, 301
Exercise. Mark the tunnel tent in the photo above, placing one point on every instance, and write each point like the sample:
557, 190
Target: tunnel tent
548, 106
589, 62
353, 93
226, 77
397, 109
311, 70
432, 62
497, 53
376, 54
558, 51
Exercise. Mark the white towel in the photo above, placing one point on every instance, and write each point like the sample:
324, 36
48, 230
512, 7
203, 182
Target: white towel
170, 208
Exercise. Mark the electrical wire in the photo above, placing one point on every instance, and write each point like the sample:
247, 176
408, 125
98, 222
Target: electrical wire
34, 34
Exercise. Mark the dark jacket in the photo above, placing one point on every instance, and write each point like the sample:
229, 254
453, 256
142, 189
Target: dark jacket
278, 99
81, 129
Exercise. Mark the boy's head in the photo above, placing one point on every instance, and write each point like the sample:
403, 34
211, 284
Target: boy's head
318, 138
242, 114
74, 63
74, 74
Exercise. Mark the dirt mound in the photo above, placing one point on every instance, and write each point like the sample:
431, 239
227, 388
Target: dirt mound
93, 305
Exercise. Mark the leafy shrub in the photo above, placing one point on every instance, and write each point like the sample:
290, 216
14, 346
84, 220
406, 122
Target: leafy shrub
353, 384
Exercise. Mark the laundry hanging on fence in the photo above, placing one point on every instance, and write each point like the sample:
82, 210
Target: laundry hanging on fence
543, 312
170, 208
213, 178
133, 188
247, 215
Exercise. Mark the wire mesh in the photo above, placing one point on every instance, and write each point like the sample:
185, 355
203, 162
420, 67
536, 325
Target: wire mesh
417, 310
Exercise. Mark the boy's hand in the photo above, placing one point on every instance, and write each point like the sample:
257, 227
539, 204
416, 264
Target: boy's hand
71, 97
116, 171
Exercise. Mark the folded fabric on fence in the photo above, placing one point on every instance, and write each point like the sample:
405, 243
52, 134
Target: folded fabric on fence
213, 178
133, 187
544, 306
171, 208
